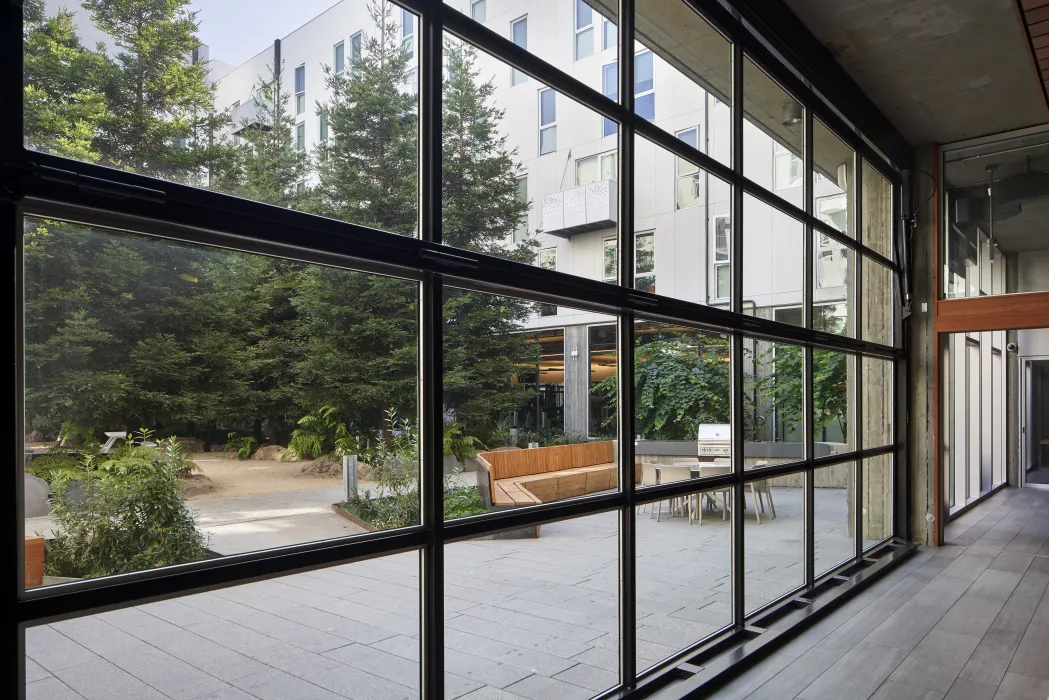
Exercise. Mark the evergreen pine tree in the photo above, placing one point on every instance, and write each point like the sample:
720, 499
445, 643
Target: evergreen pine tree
159, 120
483, 347
368, 171
62, 95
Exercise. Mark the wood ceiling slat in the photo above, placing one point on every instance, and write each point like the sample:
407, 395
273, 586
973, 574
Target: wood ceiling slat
1037, 15
1039, 42
1042, 53
1039, 28
1033, 4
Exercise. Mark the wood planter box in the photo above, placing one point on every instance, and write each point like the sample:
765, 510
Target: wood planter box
34, 562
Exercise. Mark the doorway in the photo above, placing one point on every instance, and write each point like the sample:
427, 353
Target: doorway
1034, 422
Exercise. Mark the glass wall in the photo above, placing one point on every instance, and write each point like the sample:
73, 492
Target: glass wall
974, 410
992, 190
390, 338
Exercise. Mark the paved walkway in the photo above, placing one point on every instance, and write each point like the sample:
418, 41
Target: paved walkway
523, 618
968, 621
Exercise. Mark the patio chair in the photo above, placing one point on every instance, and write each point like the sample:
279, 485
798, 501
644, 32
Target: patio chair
759, 491
670, 475
710, 496
649, 477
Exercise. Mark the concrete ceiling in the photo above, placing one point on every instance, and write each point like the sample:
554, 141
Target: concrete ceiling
940, 70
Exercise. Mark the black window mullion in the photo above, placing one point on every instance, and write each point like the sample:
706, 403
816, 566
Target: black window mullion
808, 294
625, 355
738, 500
736, 262
859, 296
431, 363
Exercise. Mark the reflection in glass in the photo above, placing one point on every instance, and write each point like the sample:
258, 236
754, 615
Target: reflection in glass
682, 604
305, 635
877, 402
878, 299
877, 499
694, 62
877, 212
834, 288
773, 538
773, 135
834, 516
535, 611
154, 368
834, 166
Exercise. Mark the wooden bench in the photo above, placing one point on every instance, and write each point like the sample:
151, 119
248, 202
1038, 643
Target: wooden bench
544, 474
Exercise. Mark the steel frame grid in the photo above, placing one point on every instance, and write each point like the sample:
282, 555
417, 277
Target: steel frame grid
37, 183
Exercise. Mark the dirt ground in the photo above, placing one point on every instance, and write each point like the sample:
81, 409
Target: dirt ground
232, 477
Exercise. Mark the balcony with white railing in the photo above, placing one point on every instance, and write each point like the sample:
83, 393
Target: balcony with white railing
585, 208
252, 113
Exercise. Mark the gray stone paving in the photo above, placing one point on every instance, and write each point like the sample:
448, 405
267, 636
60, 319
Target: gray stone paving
523, 618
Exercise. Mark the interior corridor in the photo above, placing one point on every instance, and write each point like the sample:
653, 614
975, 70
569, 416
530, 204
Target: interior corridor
967, 621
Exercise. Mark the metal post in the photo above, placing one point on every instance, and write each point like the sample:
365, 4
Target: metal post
808, 366
431, 359
736, 262
858, 409
625, 358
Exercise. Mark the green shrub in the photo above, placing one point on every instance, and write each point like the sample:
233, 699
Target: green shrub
131, 516
243, 446
394, 465
318, 433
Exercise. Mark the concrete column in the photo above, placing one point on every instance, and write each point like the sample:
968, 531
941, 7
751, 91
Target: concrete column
577, 380
921, 351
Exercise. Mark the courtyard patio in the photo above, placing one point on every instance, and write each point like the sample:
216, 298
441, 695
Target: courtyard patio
530, 618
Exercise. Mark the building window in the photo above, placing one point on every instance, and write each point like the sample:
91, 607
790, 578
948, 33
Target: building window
610, 89
644, 89
300, 89
479, 10
300, 137
788, 168
323, 127
547, 121
584, 30
689, 178
610, 260
411, 82
519, 34
644, 86
722, 260
339, 59
595, 168
300, 188
832, 258
521, 230
548, 261
355, 48
609, 34
645, 262
834, 211
408, 32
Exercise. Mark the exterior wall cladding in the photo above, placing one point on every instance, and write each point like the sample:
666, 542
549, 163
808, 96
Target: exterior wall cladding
683, 235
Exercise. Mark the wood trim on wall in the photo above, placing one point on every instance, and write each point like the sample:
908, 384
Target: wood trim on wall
936, 228
1006, 312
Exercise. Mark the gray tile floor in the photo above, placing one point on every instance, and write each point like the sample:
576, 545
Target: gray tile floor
967, 621
523, 618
